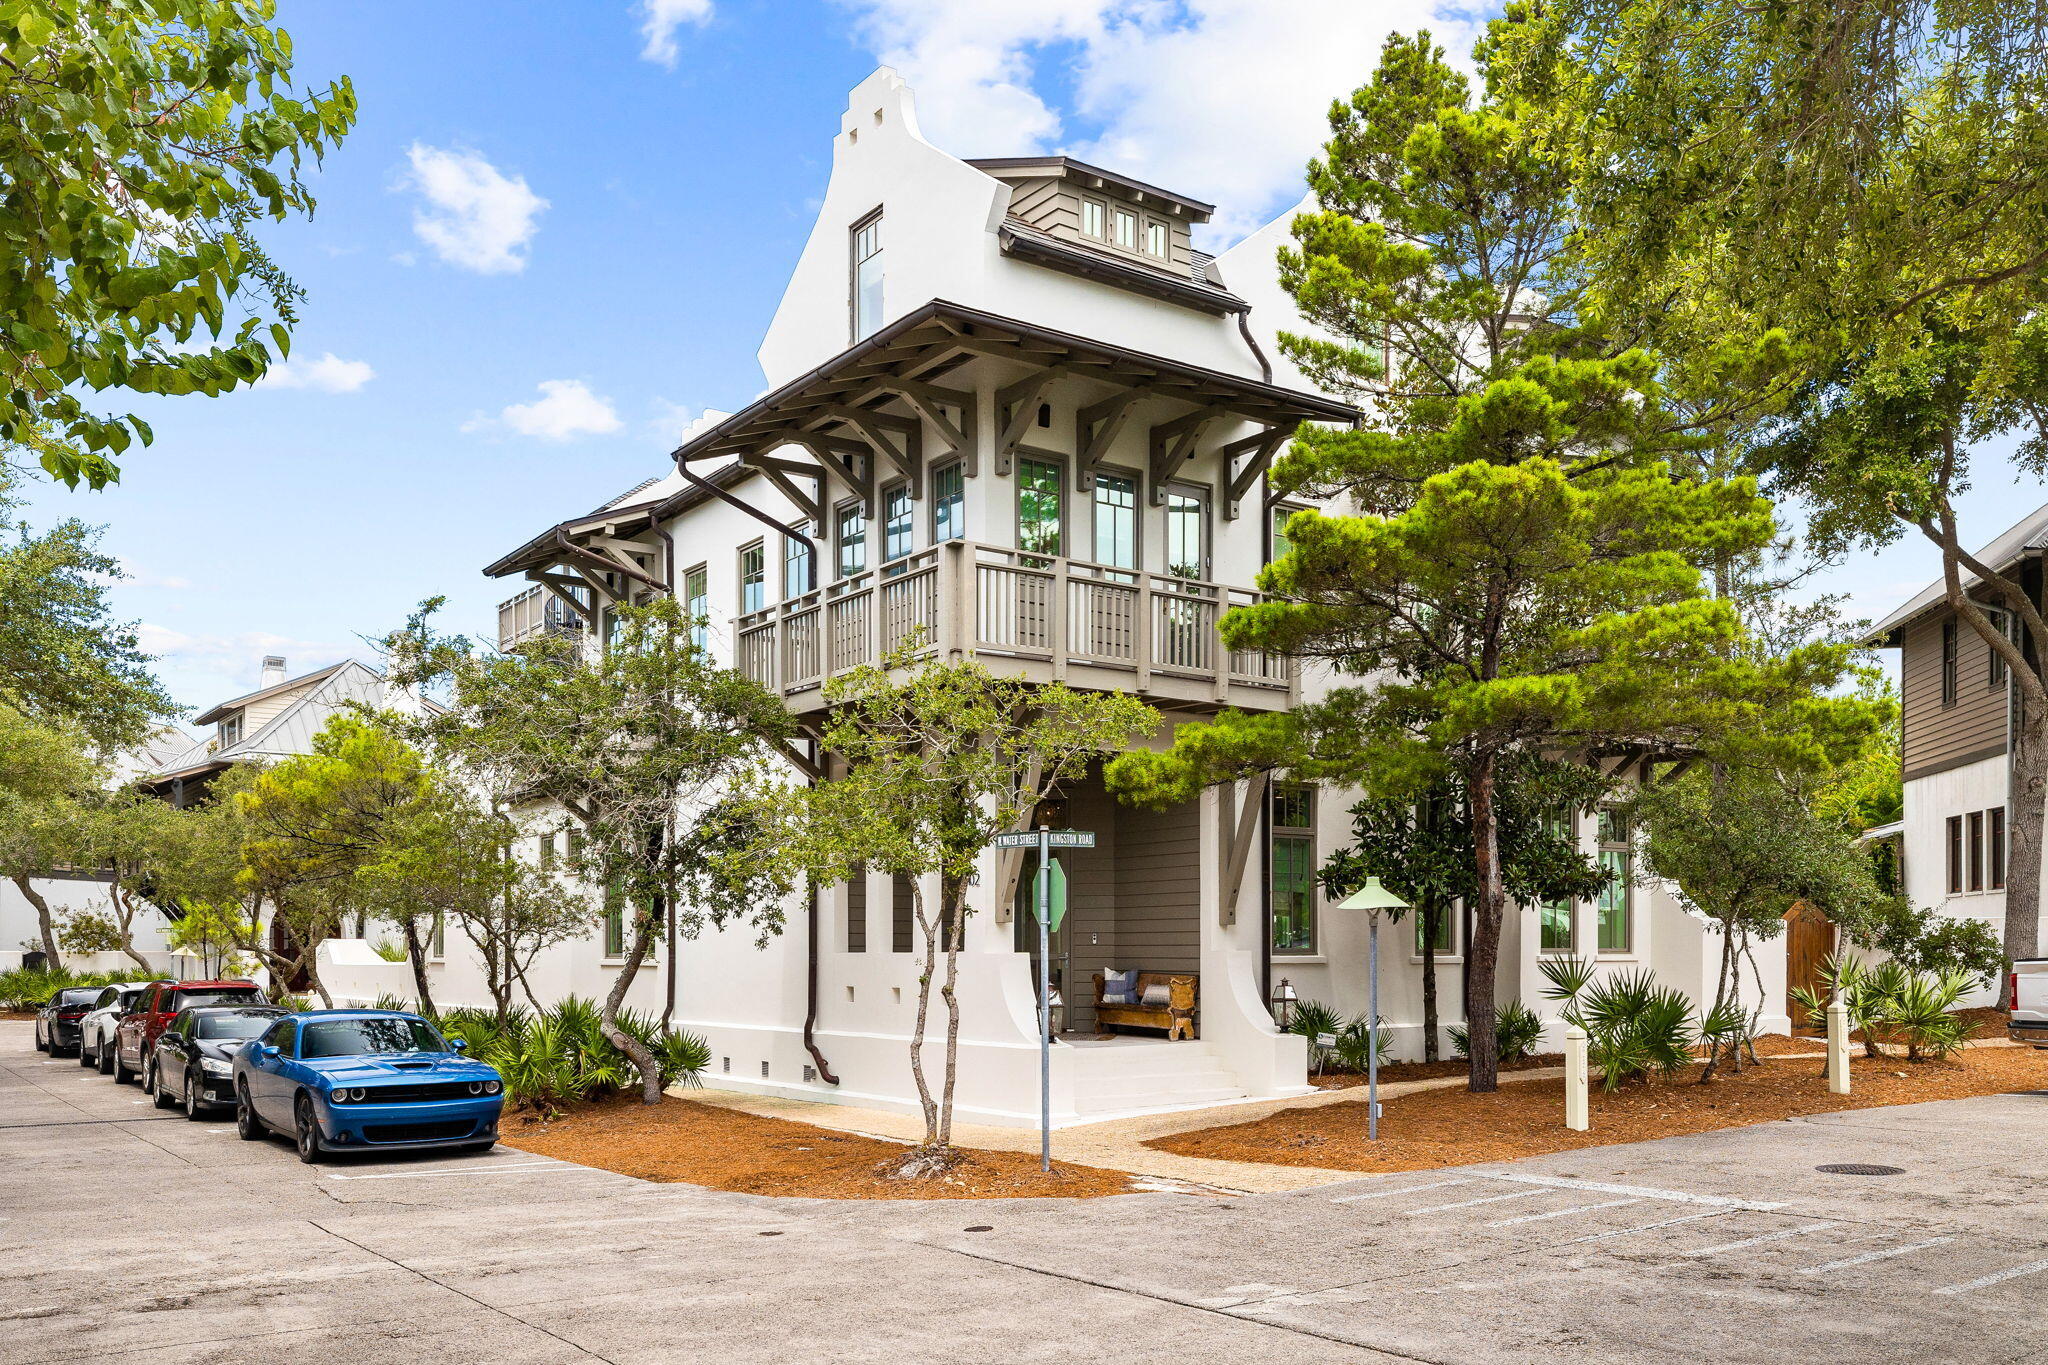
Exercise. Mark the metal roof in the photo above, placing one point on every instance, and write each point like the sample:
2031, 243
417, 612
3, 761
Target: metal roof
2024, 539
290, 732
225, 708
1069, 166
1192, 289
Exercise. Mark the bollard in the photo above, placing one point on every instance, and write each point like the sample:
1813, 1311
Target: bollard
1576, 1108
1838, 1046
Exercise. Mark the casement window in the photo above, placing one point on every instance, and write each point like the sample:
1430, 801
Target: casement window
437, 943
1116, 520
1094, 218
231, 730
753, 578
1975, 850
949, 503
1041, 495
1187, 533
544, 851
614, 920
850, 538
1994, 854
1281, 544
799, 570
1124, 232
1156, 238
697, 606
902, 916
1955, 855
897, 522
1558, 921
2008, 624
1948, 662
867, 276
1293, 859
1446, 931
857, 911
1617, 899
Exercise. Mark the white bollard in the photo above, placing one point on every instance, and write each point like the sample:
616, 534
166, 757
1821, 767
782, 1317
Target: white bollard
1838, 1046
1577, 1114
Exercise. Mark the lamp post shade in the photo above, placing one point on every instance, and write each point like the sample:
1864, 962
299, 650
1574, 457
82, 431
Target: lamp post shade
1372, 896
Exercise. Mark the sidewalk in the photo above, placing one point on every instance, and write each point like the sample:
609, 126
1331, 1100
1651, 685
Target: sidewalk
1118, 1144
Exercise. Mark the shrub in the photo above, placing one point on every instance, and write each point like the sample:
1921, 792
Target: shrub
390, 951
1312, 1019
1354, 1045
29, 988
1922, 941
1514, 1024
561, 1056
1890, 1003
1633, 1025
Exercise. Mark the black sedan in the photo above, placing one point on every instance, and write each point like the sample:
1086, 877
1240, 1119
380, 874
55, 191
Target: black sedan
193, 1062
57, 1020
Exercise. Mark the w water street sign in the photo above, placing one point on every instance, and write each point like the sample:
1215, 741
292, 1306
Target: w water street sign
1054, 838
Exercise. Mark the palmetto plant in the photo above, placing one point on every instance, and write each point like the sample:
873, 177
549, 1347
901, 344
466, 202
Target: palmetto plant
1517, 1027
1921, 1014
1312, 1020
561, 1055
1865, 992
1634, 1026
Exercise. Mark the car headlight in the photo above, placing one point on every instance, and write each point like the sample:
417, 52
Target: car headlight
347, 1094
476, 1087
214, 1066
492, 1087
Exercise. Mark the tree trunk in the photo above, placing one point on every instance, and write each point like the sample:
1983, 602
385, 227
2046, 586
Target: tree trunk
1720, 997
636, 1051
2027, 802
124, 920
1483, 953
416, 953
44, 922
950, 926
932, 1140
1432, 916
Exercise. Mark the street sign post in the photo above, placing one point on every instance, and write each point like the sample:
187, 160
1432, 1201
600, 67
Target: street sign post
1051, 902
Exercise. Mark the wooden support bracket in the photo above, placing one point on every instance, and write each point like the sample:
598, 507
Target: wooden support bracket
1240, 850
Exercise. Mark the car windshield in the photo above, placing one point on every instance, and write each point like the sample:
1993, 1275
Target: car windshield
226, 995
77, 995
359, 1037
240, 1024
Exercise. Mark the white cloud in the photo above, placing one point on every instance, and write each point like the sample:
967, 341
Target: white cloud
475, 216
227, 665
565, 410
659, 21
327, 374
671, 421
1219, 99
134, 575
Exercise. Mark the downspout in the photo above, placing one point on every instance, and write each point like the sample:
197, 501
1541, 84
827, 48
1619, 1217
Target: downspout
811, 975
1244, 328
756, 513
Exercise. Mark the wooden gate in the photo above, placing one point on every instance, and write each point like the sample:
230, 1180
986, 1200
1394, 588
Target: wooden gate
1809, 938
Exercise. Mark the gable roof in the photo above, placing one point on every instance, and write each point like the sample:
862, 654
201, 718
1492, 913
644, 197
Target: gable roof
1067, 167
2025, 539
223, 709
290, 732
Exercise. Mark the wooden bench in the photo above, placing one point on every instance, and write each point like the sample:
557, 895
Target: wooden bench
1177, 1016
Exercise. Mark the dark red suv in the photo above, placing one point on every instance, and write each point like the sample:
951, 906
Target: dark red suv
135, 1037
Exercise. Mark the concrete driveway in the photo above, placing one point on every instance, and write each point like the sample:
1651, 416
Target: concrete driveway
126, 1233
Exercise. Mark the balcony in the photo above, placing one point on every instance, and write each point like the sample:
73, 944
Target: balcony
534, 612
1047, 619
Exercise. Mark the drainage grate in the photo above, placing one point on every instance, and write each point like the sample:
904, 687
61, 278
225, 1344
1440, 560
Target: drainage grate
1858, 1168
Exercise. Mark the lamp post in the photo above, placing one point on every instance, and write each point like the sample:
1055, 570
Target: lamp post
1372, 898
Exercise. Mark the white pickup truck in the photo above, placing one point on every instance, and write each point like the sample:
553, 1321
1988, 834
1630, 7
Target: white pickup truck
2029, 1001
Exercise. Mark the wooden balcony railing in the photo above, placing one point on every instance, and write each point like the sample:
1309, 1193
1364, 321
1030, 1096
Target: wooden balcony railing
1061, 619
534, 612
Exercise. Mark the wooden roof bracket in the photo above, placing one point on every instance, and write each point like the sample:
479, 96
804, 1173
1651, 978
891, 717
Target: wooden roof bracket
1097, 427
1240, 850
1017, 408
1173, 444
1260, 447
875, 429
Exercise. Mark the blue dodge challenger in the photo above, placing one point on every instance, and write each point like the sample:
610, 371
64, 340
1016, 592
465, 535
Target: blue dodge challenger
364, 1080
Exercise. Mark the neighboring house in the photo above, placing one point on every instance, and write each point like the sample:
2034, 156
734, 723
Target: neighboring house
1955, 705
1012, 411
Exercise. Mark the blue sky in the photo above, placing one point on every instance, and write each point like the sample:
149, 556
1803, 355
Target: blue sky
558, 231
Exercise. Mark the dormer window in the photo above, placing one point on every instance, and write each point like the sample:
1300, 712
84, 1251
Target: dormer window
867, 276
231, 730
1126, 229
1156, 237
1094, 219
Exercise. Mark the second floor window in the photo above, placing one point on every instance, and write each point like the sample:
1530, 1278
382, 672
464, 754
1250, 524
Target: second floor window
1093, 215
1294, 868
697, 606
1948, 662
867, 277
850, 539
1156, 239
1126, 229
799, 570
231, 730
1116, 521
753, 578
896, 523
1039, 490
949, 503
1187, 533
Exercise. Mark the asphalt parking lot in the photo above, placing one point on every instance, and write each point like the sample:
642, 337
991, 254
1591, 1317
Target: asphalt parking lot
126, 1230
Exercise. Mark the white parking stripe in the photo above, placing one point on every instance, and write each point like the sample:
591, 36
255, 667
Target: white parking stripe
1996, 1277
1869, 1256
1646, 1227
1639, 1191
1560, 1213
1758, 1241
1405, 1189
1488, 1199
509, 1168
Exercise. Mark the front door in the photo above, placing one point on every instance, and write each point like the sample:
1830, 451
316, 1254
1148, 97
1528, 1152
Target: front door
1809, 939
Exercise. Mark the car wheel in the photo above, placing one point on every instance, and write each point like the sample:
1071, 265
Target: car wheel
308, 1131
153, 1082
41, 1046
103, 1057
247, 1126
84, 1058
479, 1148
122, 1075
192, 1096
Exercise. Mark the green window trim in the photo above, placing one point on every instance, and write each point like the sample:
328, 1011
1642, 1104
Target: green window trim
1446, 932
1041, 508
1557, 927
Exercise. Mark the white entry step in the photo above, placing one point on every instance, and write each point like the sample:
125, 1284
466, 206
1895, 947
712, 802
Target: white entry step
1130, 1074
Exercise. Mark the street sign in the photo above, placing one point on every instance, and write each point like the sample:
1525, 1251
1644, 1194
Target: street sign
1053, 896
1058, 838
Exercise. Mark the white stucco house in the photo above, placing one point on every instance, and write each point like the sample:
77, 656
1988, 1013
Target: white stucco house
1009, 404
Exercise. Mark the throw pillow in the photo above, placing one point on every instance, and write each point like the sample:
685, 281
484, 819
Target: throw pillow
1159, 995
1119, 983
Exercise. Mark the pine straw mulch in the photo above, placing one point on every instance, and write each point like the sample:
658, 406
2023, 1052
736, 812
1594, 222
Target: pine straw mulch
679, 1140
1453, 1127
1393, 1072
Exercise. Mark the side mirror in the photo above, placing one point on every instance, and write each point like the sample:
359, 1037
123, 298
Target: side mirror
460, 1044
264, 1052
